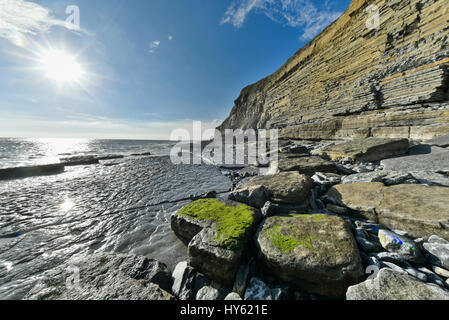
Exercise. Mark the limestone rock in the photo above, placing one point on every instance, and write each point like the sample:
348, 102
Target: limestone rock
371, 149
241, 279
393, 285
432, 162
285, 187
233, 296
327, 179
418, 209
105, 276
223, 229
255, 196
257, 290
307, 165
183, 281
401, 245
439, 252
317, 252
386, 177
441, 141
208, 293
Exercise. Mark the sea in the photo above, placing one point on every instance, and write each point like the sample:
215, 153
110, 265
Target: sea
18, 152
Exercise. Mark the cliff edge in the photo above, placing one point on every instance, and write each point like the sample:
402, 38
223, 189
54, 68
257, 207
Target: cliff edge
357, 81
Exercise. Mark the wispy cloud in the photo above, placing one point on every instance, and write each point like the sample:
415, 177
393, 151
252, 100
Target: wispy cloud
154, 45
304, 14
19, 17
170, 38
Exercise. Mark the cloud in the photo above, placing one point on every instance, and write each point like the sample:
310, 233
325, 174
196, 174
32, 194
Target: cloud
304, 14
170, 38
19, 17
154, 45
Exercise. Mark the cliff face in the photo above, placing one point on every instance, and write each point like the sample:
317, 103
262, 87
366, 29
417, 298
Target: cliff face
353, 81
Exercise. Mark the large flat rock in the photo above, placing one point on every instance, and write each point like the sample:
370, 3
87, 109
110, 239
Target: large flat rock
317, 252
105, 276
392, 285
370, 149
306, 165
431, 162
285, 187
218, 232
418, 209
441, 141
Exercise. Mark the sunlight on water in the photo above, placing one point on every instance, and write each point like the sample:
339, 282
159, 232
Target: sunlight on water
67, 205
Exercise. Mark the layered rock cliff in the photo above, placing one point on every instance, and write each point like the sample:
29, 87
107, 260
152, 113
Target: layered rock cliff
355, 81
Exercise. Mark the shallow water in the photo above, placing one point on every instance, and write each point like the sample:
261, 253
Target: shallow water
124, 208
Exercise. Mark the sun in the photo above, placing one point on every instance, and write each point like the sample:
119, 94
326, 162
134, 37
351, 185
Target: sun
60, 66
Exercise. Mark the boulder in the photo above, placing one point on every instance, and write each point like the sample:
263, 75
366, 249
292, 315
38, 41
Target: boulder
307, 165
315, 252
393, 285
233, 296
257, 290
438, 252
254, 196
418, 209
241, 279
367, 150
208, 293
326, 178
218, 232
285, 187
395, 243
441, 141
183, 281
105, 276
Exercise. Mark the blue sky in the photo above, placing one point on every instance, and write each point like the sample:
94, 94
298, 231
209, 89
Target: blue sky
149, 66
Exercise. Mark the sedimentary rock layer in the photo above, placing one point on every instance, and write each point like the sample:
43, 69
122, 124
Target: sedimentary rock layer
356, 81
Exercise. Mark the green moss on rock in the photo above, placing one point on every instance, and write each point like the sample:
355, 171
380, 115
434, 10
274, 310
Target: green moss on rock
233, 223
284, 243
287, 237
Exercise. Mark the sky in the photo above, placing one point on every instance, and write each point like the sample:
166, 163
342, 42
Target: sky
140, 69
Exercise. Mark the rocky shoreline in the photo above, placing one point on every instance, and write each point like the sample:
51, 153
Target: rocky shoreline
329, 225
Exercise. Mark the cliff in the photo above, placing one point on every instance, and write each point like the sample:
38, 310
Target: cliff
352, 81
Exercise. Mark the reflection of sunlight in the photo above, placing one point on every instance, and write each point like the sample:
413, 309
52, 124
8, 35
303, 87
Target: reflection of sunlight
67, 205
53, 149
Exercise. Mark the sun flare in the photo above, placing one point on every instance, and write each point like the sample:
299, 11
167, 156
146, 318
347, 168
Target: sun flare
60, 66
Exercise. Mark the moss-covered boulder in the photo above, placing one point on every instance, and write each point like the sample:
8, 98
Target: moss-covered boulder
315, 252
218, 232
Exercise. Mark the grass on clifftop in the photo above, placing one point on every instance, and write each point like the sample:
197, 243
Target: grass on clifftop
233, 223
